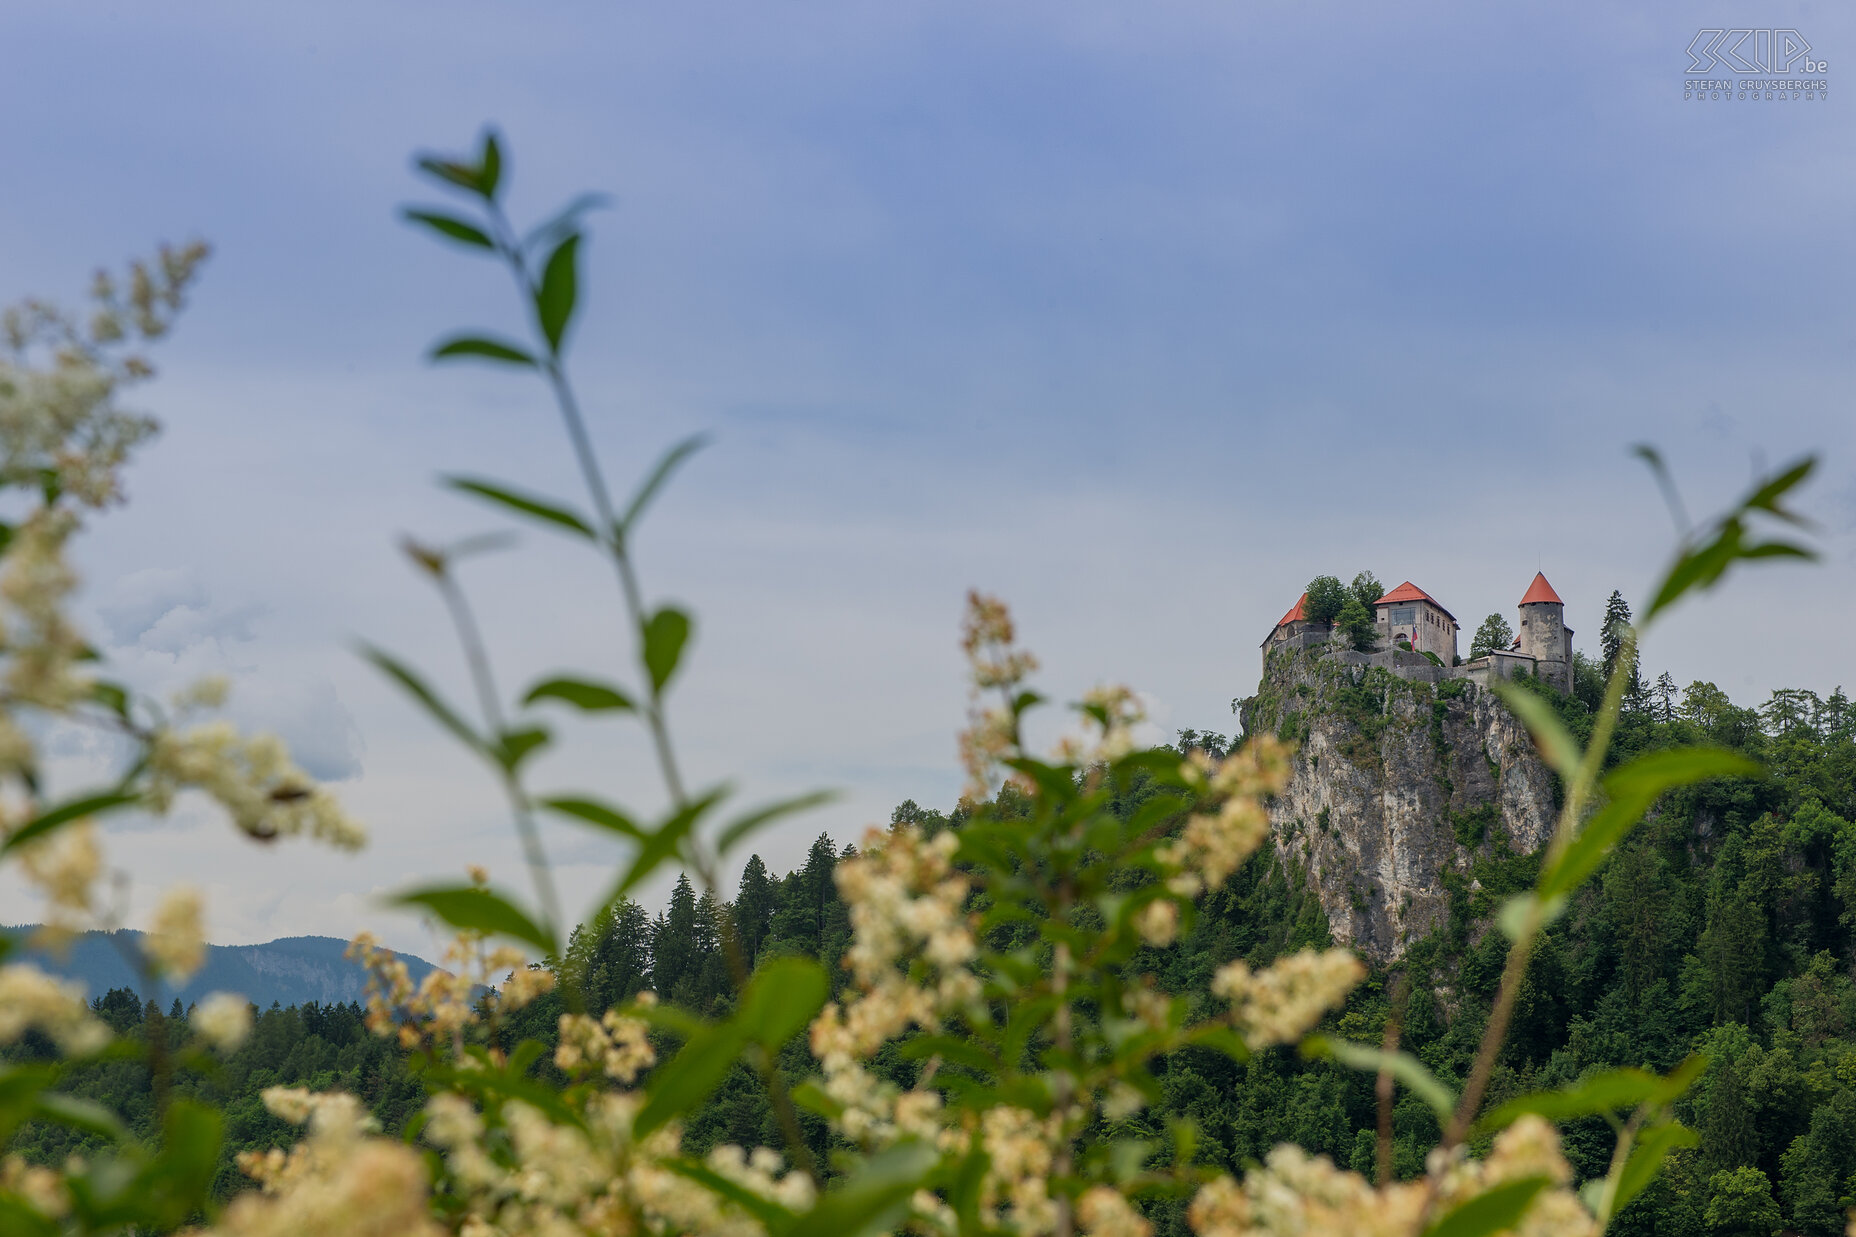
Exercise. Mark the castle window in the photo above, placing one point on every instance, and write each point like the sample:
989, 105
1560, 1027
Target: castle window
1404, 614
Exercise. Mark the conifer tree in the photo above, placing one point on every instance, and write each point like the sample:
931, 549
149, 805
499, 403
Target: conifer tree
753, 909
1611, 644
673, 939
1728, 1138
1665, 697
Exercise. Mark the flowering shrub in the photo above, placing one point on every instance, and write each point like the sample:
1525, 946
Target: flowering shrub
995, 960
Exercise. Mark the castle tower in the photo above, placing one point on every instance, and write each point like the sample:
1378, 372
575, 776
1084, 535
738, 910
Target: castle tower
1544, 635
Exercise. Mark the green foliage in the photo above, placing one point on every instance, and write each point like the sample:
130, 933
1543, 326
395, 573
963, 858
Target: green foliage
1326, 597
1740, 1204
1494, 635
1356, 622
1367, 588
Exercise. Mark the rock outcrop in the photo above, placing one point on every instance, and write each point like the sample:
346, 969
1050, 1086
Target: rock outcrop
1399, 783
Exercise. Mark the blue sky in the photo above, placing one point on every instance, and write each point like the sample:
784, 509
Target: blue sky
1138, 317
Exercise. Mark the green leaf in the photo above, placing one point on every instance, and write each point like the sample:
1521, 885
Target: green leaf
663, 843
1500, 1208
783, 995
739, 828
1527, 913
555, 296
515, 746
526, 504
771, 1215
64, 814
665, 634
478, 910
1765, 496
780, 999
655, 481
450, 226
19, 1219
1402, 1066
434, 704
1653, 1146
112, 696
490, 166
564, 219
581, 693
1556, 745
1630, 791
451, 172
80, 1114
19, 1089
175, 1183
1610, 1091
596, 813
481, 346
873, 1199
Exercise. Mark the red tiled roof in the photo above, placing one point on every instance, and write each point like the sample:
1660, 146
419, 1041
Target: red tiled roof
1540, 591
1296, 613
1411, 592
1406, 592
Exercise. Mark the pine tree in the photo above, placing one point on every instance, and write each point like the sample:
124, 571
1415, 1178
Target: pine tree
753, 909
1728, 1138
1493, 636
1665, 695
1611, 642
673, 940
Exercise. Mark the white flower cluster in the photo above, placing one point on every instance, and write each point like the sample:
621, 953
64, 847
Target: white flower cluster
1102, 1212
1278, 1004
906, 903
176, 940
40, 1188
1016, 1188
987, 636
342, 1178
615, 1044
43, 645
561, 1179
253, 778
64, 866
223, 1020
31, 999
1112, 713
442, 1004
1213, 845
1298, 1195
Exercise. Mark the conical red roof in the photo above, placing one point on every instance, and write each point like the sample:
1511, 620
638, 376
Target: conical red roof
1540, 591
1295, 614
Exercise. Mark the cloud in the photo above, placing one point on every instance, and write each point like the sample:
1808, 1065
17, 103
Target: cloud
168, 610
308, 716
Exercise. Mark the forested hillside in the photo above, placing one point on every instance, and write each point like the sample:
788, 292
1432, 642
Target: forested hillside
1724, 925
292, 970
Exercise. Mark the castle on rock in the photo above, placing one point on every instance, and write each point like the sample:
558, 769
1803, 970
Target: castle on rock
1416, 637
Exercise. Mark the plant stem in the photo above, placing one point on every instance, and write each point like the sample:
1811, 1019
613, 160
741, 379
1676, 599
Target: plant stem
610, 535
476, 655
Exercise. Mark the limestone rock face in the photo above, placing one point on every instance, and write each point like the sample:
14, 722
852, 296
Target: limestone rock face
1398, 783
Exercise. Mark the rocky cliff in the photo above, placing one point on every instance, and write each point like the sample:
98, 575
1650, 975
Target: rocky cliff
1400, 786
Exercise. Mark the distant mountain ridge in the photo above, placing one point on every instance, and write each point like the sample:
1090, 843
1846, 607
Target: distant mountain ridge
291, 970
